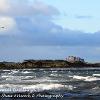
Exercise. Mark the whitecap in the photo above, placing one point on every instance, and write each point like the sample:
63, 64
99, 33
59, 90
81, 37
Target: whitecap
15, 71
54, 71
92, 79
79, 77
28, 77
6, 70
33, 88
26, 72
44, 79
87, 78
54, 75
96, 74
44, 86
12, 78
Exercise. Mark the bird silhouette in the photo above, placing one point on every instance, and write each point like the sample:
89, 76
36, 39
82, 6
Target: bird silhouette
2, 27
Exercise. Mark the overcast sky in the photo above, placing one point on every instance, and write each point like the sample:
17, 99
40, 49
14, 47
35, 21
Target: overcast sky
49, 29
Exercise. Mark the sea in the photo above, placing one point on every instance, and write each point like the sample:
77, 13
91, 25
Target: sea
50, 84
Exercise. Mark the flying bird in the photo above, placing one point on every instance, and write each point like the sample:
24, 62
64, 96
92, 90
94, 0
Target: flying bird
2, 27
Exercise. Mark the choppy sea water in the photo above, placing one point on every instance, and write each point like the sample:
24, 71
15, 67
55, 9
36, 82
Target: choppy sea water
50, 84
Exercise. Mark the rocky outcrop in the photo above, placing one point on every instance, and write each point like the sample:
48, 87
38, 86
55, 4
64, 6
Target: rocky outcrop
45, 64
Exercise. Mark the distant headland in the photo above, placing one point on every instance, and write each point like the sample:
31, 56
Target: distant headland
70, 62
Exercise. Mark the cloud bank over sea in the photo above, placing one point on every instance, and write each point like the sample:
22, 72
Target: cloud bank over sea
28, 30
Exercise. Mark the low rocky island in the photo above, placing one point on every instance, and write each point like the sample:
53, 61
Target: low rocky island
71, 62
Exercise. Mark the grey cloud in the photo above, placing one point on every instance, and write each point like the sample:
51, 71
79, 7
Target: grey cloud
23, 8
41, 30
45, 33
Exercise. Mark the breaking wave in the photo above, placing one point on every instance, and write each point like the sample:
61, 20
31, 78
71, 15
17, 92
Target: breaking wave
33, 88
87, 78
60, 81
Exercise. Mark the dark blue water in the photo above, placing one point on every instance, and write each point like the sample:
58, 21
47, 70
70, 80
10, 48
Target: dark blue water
50, 84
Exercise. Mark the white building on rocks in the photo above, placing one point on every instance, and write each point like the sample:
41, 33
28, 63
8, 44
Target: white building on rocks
74, 59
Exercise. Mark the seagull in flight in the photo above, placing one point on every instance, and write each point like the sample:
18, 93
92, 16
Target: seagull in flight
2, 27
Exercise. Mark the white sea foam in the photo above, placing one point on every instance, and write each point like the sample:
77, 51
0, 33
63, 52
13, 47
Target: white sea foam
34, 88
15, 71
96, 74
6, 70
28, 79
45, 79
40, 87
26, 72
54, 71
8, 76
87, 78
55, 75
17, 78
